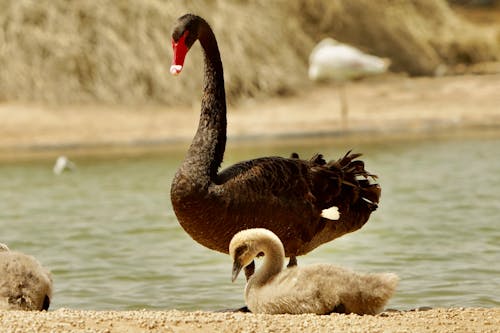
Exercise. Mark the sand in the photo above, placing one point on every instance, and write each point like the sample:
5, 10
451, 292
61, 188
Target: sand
378, 108
381, 108
436, 320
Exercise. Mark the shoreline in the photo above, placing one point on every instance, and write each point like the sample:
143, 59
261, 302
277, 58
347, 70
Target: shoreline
485, 320
384, 108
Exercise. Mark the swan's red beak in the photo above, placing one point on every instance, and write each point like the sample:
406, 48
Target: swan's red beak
180, 51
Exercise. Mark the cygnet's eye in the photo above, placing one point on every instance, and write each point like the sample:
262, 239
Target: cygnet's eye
240, 250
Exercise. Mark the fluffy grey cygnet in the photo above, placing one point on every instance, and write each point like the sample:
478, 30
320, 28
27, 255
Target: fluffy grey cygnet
320, 288
24, 283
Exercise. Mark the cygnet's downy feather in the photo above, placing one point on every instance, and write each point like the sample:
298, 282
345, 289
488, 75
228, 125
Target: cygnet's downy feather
24, 283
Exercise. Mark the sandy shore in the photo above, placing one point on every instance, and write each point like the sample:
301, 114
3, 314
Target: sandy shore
454, 320
386, 106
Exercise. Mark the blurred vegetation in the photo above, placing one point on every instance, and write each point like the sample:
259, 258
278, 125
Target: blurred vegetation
118, 51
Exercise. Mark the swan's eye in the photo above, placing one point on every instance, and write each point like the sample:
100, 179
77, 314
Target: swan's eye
180, 50
178, 35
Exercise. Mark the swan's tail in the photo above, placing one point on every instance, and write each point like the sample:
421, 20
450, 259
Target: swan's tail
356, 182
345, 184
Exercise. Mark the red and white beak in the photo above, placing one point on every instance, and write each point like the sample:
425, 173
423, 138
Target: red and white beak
180, 50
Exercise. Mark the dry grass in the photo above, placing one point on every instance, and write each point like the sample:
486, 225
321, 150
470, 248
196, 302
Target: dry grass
418, 35
118, 51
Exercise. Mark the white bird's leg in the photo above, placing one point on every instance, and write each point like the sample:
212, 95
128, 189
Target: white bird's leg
344, 111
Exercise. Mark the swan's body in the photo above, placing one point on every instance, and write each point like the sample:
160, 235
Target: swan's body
24, 283
319, 288
331, 60
285, 195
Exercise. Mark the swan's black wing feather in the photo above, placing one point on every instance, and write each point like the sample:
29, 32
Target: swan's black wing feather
276, 175
315, 181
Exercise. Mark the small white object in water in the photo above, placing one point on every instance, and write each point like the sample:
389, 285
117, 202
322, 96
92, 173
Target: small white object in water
63, 164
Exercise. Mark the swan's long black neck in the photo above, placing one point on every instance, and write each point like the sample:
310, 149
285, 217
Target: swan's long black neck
205, 155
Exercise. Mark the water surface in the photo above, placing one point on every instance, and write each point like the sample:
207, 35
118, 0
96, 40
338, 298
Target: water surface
109, 235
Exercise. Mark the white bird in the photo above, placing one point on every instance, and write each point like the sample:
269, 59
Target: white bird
24, 283
320, 288
332, 60
62, 164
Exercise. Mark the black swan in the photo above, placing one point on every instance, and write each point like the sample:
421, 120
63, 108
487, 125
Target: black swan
319, 288
24, 283
285, 195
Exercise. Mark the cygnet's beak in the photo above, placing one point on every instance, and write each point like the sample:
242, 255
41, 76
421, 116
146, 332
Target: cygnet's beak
236, 269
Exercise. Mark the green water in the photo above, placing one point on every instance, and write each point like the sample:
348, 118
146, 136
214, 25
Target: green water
108, 233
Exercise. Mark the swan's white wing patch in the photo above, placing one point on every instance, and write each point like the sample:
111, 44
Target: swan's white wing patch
331, 213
